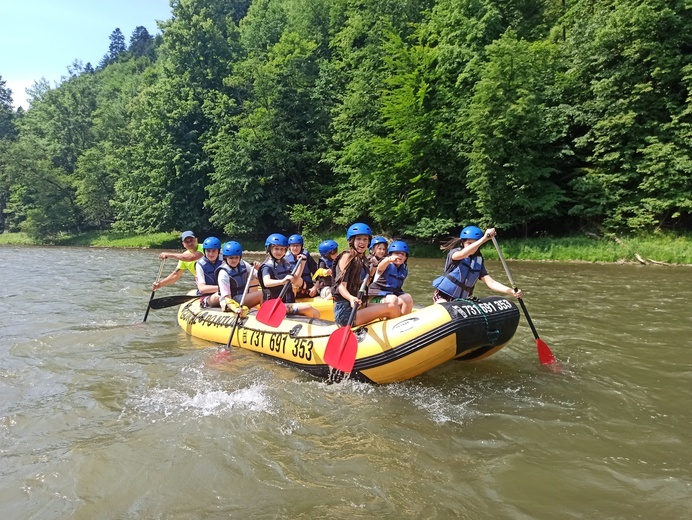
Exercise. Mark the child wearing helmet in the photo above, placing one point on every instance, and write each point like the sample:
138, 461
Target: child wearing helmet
186, 260
305, 288
464, 267
378, 249
389, 278
205, 271
323, 276
232, 277
275, 271
351, 268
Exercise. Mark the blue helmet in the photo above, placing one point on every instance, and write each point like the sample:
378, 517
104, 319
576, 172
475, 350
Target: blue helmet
358, 229
398, 246
276, 239
211, 243
327, 247
232, 248
471, 233
295, 239
377, 240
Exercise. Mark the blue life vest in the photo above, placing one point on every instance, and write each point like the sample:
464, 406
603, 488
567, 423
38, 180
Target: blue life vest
325, 263
209, 269
277, 271
390, 281
237, 275
460, 277
309, 268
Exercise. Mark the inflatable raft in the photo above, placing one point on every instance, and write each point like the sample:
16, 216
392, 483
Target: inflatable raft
388, 351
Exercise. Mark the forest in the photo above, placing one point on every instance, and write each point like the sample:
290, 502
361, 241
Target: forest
537, 117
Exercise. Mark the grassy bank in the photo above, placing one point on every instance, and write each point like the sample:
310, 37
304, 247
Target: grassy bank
656, 248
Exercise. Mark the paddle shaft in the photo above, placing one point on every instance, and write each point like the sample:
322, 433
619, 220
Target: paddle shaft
545, 355
242, 300
151, 297
514, 286
361, 293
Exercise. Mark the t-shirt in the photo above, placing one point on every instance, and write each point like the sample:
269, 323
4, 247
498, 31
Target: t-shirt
190, 266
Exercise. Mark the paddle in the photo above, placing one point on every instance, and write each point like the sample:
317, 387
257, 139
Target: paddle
172, 301
342, 345
545, 356
240, 308
272, 312
158, 277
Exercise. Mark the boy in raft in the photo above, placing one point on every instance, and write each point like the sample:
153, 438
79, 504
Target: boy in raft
205, 271
464, 266
306, 287
389, 278
351, 268
275, 272
231, 279
323, 276
186, 260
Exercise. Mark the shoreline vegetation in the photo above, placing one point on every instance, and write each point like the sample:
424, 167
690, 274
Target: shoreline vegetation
655, 249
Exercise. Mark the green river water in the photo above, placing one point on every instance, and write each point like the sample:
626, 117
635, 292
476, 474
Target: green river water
103, 417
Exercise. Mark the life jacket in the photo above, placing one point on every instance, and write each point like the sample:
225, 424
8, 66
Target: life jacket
308, 270
277, 270
237, 275
209, 269
325, 263
459, 277
356, 271
390, 281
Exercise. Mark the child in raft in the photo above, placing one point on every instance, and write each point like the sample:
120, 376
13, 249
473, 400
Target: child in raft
378, 249
328, 250
232, 277
351, 268
306, 287
464, 267
205, 270
275, 272
389, 278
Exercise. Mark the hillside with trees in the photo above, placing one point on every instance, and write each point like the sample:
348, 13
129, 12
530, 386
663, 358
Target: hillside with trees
417, 116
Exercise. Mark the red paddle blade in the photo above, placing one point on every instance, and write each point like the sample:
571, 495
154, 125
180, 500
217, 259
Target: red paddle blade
545, 356
341, 350
272, 312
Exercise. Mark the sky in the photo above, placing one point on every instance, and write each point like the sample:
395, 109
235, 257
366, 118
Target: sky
41, 38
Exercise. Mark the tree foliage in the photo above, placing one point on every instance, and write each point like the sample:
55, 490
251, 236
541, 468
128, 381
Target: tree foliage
417, 116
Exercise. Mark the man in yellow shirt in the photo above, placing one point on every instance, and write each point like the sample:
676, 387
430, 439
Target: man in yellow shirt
186, 260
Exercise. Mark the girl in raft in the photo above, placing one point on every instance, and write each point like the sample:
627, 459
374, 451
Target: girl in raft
351, 267
275, 272
464, 267
389, 278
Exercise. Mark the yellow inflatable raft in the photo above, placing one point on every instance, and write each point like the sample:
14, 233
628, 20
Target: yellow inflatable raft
388, 351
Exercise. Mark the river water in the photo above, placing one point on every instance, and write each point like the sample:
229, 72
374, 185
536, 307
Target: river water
105, 417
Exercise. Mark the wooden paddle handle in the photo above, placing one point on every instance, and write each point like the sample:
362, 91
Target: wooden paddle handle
288, 283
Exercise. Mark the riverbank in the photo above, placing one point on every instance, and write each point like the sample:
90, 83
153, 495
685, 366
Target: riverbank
653, 249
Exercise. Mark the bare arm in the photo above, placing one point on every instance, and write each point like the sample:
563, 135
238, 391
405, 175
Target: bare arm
472, 248
187, 256
169, 280
496, 286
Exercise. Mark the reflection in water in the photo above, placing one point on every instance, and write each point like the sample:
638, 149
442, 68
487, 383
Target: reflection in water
103, 416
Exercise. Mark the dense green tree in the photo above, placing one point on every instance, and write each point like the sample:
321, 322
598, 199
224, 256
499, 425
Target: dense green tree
517, 133
630, 83
7, 114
